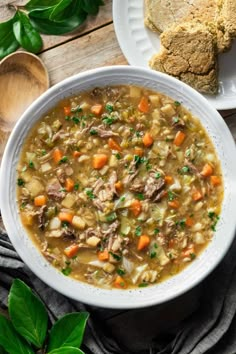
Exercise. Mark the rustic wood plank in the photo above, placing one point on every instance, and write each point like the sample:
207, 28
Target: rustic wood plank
99, 48
93, 22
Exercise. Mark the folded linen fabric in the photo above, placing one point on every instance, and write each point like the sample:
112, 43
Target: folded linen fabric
210, 328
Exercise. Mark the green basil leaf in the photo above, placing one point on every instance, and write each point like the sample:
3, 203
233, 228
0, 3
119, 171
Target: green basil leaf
66, 350
27, 313
57, 13
91, 6
10, 339
40, 4
56, 28
8, 43
26, 35
68, 331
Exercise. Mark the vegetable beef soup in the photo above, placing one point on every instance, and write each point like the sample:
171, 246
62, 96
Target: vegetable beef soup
119, 187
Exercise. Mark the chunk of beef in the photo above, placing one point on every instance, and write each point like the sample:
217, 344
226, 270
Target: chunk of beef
98, 204
103, 133
133, 171
192, 168
137, 186
111, 230
97, 186
42, 217
159, 196
68, 235
54, 189
111, 182
178, 123
153, 186
170, 227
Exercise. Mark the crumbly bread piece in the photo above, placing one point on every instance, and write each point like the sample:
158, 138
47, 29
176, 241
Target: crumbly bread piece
228, 16
188, 52
160, 15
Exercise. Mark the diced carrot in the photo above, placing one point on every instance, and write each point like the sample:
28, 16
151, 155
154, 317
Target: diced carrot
77, 154
132, 119
57, 155
197, 195
143, 105
138, 151
188, 251
179, 138
103, 255
99, 160
215, 180
67, 110
189, 221
40, 200
207, 170
174, 204
69, 185
136, 207
119, 186
71, 251
113, 145
143, 242
171, 243
97, 109
147, 139
169, 179
65, 216
119, 282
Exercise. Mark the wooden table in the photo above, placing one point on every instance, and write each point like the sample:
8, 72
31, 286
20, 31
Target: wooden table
95, 45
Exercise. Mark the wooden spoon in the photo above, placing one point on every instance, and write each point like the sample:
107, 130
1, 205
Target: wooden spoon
23, 78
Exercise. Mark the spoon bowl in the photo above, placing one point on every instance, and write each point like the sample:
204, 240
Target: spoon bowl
23, 78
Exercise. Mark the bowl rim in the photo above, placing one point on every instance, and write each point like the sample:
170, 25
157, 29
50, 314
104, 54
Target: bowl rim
101, 301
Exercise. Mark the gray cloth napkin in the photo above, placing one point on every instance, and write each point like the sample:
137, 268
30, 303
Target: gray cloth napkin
210, 326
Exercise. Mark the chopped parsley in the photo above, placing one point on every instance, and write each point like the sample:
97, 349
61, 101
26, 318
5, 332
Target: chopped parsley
148, 166
157, 175
115, 256
138, 134
76, 120
93, 132
118, 156
66, 271
156, 231
65, 224
120, 271
20, 182
188, 152
182, 223
143, 285
171, 196
67, 117
139, 196
138, 160
184, 169
109, 108
90, 194
175, 119
31, 164
122, 199
177, 103
111, 217
43, 152
153, 254
193, 256
108, 120
76, 186
76, 109
23, 205
64, 159
211, 215
138, 231
214, 218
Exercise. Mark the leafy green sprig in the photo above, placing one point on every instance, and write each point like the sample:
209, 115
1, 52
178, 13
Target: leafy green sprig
27, 330
38, 16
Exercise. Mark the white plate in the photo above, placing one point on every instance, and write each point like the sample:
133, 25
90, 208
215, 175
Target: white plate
138, 45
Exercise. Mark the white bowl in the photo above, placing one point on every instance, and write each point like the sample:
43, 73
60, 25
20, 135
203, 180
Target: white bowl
168, 289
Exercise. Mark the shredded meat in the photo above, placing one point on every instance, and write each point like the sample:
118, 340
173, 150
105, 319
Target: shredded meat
137, 186
98, 204
42, 217
192, 168
93, 232
170, 227
159, 196
178, 123
59, 135
153, 186
105, 133
105, 195
133, 171
111, 182
97, 186
68, 235
111, 230
54, 189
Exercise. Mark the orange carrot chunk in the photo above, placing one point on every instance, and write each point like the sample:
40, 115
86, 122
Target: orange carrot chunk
65, 216
67, 110
119, 282
179, 138
189, 221
215, 180
138, 151
57, 155
207, 170
69, 185
143, 242
169, 179
174, 204
147, 139
113, 145
77, 154
40, 200
71, 251
99, 160
197, 195
97, 109
143, 105
103, 255
136, 207
119, 186
188, 251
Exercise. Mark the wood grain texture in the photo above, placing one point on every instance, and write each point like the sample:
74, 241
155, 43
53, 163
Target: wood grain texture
92, 23
99, 48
